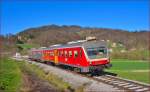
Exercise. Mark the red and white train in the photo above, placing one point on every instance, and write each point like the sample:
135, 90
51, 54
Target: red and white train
84, 56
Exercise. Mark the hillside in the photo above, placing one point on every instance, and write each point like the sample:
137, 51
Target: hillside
53, 34
118, 40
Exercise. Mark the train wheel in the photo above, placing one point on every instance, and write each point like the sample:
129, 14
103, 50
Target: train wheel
77, 70
97, 72
53, 64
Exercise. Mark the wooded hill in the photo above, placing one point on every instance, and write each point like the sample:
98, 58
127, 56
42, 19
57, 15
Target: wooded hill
54, 34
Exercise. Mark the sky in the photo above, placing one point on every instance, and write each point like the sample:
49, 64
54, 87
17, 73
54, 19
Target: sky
128, 15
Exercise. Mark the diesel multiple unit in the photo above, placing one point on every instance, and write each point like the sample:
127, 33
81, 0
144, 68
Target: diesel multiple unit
84, 56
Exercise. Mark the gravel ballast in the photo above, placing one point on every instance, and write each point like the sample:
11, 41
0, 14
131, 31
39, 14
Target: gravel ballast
77, 81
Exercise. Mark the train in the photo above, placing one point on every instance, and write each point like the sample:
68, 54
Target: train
84, 56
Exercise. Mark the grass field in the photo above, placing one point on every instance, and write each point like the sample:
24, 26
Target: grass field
51, 78
10, 75
25, 46
131, 69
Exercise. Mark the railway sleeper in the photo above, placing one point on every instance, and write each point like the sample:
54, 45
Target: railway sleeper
123, 84
109, 80
119, 82
101, 78
142, 90
131, 85
116, 83
137, 87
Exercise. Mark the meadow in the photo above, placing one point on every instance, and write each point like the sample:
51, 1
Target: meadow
12, 78
131, 69
10, 75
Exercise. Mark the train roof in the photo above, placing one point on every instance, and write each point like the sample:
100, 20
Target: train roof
85, 44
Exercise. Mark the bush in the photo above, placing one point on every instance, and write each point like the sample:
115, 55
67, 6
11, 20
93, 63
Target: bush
134, 55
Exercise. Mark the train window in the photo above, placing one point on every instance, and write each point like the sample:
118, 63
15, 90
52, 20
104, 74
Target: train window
96, 53
48, 53
44, 54
51, 54
70, 53
75, 54
66, 54
61, 53
57, 53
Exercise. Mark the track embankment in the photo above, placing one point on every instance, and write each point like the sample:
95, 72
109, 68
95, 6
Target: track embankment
77, 82
31, 82
103, 83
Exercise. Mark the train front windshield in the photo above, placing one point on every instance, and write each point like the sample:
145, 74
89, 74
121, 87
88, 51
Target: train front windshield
97, 53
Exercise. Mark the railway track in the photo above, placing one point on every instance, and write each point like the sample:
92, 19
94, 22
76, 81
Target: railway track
120, 83
117, 82
127, 85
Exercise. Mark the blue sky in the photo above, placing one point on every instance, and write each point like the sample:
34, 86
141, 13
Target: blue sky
127, 15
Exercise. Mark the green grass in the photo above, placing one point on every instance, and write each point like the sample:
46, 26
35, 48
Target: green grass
129, 65
51, 78
25, 46
138, 76
131, 69
28, 46
10, 75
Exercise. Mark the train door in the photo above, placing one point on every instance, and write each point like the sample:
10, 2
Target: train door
56, 56
77, 56
70, 56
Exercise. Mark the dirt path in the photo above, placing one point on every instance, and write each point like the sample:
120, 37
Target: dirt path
31, 83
